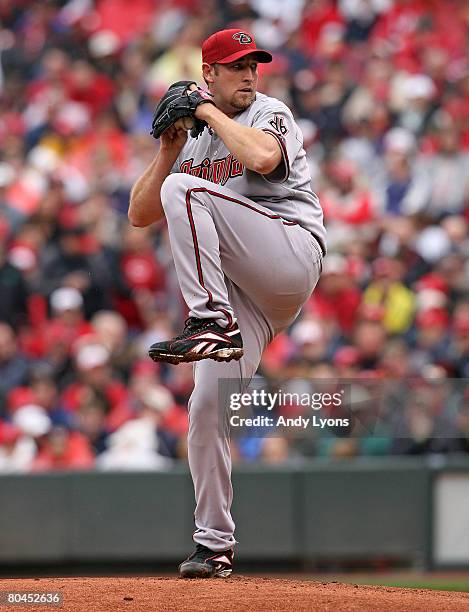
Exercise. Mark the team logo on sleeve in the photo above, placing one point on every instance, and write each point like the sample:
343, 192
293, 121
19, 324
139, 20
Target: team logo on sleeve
278, 124
242, 38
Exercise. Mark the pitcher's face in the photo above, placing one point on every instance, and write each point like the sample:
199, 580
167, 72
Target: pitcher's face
233, 85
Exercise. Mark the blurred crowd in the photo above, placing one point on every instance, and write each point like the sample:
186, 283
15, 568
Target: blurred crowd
380, 89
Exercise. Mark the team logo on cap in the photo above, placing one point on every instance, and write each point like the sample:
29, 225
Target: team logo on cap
242, 38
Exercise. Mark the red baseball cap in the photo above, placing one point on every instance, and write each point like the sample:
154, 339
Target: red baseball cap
434, 317
229, 45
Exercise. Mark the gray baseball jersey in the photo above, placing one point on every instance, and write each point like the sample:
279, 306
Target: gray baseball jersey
286, 192
246, 248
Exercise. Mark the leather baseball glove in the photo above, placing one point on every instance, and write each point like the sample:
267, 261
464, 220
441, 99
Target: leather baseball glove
179, 102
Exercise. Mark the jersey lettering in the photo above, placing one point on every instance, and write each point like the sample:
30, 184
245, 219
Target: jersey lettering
226, 170
236, 167
205, 165
218, 171
186, 165
279, 125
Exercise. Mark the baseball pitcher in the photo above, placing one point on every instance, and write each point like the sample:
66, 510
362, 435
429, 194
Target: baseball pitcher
247, 238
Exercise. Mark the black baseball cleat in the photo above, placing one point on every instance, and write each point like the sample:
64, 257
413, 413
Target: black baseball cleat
201, 339
205, 563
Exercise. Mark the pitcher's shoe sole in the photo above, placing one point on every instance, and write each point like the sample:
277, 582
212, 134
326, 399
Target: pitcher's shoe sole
219, 355
201, 339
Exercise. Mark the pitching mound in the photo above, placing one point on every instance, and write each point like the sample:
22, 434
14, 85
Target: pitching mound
237, 594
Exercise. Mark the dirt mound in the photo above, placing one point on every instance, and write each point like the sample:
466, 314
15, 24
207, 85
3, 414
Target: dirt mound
237, 594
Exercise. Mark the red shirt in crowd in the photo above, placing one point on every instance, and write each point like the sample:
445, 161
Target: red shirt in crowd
72, 451
117, 397
342, 306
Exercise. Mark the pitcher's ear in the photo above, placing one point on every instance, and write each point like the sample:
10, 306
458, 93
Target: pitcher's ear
208, 71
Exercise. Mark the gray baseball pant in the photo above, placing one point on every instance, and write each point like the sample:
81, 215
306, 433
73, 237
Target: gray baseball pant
235, 260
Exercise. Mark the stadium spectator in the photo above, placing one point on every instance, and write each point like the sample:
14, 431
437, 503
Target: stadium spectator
142, 443
336, 298
13, 305
14, 367
95, 376
387, 292
398, 167
64, 450
17, 451
442, 178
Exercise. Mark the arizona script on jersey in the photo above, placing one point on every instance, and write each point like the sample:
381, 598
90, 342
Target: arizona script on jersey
218, 171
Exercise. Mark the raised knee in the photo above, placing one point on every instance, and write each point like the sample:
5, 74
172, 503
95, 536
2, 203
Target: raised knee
170, 190
174, 190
